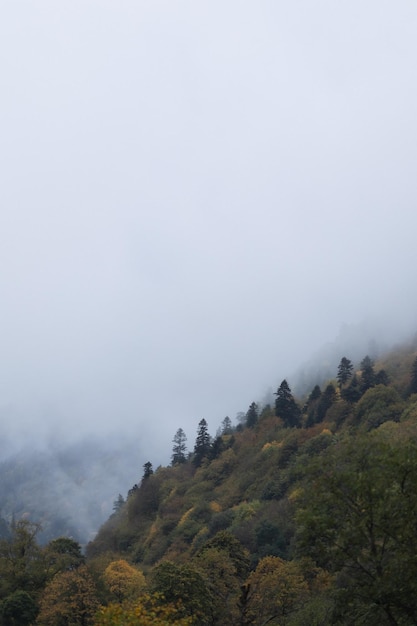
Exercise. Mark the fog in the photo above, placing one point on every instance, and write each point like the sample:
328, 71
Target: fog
195, 197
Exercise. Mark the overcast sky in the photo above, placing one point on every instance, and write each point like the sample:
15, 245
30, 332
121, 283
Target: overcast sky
195, 196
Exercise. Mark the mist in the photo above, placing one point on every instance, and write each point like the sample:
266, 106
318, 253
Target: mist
195, 198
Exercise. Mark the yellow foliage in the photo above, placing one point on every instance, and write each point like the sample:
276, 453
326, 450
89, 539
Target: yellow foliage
295, 494
123, 580
326, 431
215, 506
271, 445
185, 516
148, 611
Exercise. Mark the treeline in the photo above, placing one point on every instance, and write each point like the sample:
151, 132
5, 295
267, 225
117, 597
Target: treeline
302, 514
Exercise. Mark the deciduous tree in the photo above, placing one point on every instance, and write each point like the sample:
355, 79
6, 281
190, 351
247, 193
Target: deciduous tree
69, 599
123, 580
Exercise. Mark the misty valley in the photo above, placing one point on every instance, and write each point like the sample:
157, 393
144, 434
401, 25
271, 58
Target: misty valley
301, 511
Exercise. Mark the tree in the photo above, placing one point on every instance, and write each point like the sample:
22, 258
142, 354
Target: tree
344, 371
273, 592
285, 406
252, 415
21, 559
223, 583
367, 374
63, 554
412, 388
179, 448
326, 400
147, 470
183, 585
202, 443
227, 428
118, 504
352, 393
19, 609
123, 580
226, 543
356, 517
69, 599
147, 611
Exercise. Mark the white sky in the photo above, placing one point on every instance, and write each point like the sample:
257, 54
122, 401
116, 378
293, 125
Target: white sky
195, 196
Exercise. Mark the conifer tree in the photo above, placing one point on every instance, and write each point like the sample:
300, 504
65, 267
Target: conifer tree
147, 470
344, 371
367, 374
252, 415
285, 406
202, 443
179, 448
226, 426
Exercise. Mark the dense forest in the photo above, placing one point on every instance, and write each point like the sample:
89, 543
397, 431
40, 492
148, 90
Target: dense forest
302, 514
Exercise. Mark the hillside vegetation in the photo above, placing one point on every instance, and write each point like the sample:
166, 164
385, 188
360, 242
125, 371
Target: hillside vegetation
302, 514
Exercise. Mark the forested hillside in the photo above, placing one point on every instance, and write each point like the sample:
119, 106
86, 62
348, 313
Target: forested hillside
301, 514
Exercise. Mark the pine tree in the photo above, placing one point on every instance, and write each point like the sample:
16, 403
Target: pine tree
367, 374
325, 402
227, 428
202, 443
179, 448
285, 406
252, 415
344, 371
147, 470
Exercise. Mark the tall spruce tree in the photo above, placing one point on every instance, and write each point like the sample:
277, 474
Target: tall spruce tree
252, 415
202, 443
344, 371
286, 407
179, 448
367, 374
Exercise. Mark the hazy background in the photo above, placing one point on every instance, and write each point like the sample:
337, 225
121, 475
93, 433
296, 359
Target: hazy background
195, 196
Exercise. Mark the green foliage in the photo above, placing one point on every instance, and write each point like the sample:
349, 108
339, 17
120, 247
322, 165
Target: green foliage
412, 387
252, 415
202, 443
359, 521
183, 585
180, 447
19, 609
378, 405
285, 406
344, 371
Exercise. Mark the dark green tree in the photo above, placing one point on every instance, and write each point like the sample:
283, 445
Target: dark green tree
382, 378
147, 470
352, 393
179, 448
310, 408
19, 609
184, 585
202, 443
412, 388
326, 400
359, 523
344, 371
252, 415
367, 374
63, 555
286, 407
